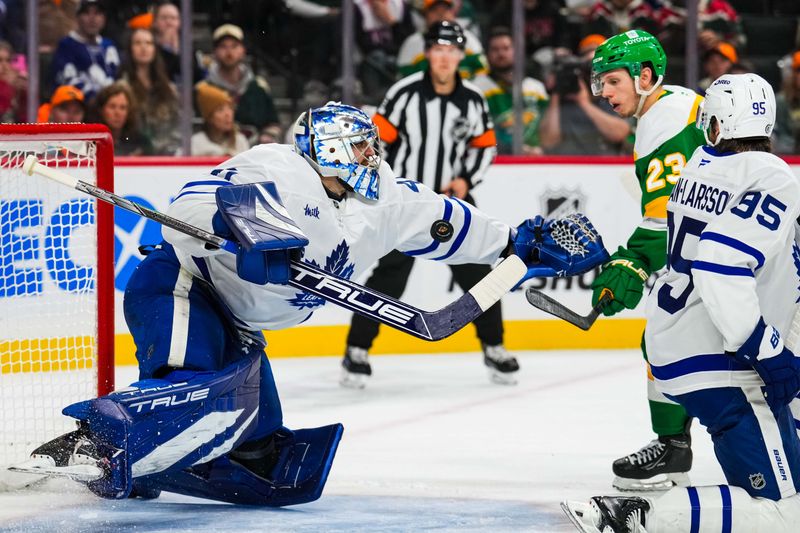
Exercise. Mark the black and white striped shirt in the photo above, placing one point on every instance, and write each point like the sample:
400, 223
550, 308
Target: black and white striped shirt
434, 138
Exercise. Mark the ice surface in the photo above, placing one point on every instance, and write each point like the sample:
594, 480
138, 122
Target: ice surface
429, 445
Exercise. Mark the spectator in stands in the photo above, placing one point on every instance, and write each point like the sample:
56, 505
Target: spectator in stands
717, 21
220, 135
115, 106
84, 59
610, 17
576, 122
167, 31
228, 71
497, 89
411, 57
13, 87
156, 97
67, 104
716, 62
56, 20
546, 27
787, 120
381, 27
12, 23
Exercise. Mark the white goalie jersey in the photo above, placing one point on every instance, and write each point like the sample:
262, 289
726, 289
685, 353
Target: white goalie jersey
732, 258
345, 237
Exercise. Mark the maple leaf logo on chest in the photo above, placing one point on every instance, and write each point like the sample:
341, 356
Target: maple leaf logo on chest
336, 263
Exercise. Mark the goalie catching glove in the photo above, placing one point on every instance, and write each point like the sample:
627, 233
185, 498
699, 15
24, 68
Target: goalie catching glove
253, 216
558, 248
777, 366
624, 276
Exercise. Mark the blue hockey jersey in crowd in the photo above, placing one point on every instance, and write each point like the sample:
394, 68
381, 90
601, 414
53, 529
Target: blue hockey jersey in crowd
88, 65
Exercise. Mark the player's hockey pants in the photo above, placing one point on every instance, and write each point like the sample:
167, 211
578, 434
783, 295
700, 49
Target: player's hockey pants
758, 449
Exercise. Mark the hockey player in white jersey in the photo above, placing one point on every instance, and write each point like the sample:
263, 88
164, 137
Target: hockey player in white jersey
715, 321
205, 418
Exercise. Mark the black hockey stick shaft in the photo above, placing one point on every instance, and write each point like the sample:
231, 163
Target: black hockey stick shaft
427, 325
547, 304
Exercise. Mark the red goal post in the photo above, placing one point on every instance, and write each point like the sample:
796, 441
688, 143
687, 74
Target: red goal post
56, 281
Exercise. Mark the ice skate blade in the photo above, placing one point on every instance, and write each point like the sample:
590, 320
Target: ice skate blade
12, 481
661, 482
576, 511
348, 380
502, 378
44, 466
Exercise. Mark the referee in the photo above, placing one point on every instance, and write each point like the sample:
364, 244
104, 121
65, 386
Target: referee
437, 130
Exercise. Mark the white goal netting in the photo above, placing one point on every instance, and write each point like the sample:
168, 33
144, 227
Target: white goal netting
48, 293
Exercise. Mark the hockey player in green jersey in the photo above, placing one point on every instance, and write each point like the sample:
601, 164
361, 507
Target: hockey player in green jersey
628, 70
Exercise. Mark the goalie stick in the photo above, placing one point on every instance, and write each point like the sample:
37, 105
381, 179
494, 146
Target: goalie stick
426, 325
547, 304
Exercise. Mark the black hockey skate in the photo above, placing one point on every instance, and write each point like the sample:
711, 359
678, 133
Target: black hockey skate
609, 514
660, 465
502, 365
355, 368
73, 455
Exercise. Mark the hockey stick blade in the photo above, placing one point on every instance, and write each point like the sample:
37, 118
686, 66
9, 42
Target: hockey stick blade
549, 305
426, 325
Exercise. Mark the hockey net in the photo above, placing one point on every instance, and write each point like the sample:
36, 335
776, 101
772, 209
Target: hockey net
56, 282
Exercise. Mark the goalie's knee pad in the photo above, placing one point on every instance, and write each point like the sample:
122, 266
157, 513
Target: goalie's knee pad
185, 419
296, 467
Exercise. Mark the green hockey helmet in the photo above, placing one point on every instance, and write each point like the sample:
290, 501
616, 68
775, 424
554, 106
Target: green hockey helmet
629, 50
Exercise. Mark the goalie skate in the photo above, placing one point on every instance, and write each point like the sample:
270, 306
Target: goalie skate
608, 514
72, 456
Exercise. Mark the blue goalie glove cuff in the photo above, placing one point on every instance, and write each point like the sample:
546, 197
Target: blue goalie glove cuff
253, 216
561, 247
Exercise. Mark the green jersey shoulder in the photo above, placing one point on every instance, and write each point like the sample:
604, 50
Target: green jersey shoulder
666, 137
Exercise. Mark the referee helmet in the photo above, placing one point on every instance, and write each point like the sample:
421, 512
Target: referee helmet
445, 32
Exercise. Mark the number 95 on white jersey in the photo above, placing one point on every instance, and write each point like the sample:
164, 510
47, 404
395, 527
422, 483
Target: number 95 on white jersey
732, 258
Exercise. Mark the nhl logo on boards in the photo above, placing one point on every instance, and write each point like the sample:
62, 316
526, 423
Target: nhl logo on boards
557, 203
442, 231
757, 481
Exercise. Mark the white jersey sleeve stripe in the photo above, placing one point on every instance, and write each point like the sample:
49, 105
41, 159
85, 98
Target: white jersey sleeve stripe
461, 234
448, 212
735, 244
725, 270
218, 183
204, 186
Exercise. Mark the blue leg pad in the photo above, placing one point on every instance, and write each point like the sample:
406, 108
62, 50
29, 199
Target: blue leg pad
187, 418
304, 461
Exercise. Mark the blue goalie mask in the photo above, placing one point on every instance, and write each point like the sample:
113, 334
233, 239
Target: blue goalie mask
341, 141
